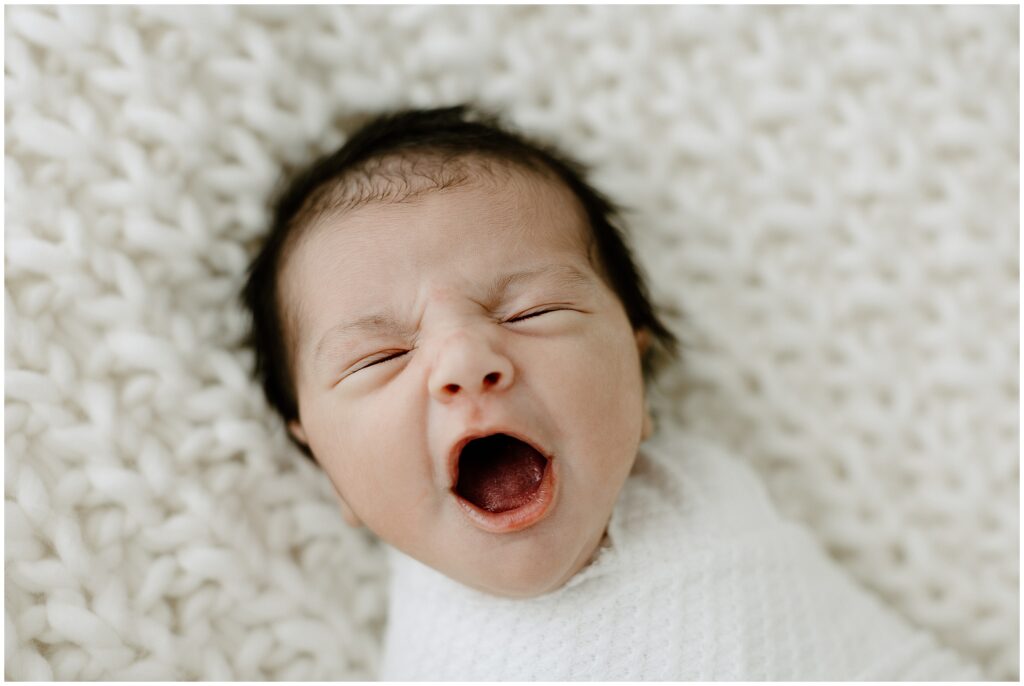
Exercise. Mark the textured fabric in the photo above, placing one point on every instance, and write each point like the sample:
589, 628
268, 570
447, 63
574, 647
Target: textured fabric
698, 578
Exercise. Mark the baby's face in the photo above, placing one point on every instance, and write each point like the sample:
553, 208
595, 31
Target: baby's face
386, 409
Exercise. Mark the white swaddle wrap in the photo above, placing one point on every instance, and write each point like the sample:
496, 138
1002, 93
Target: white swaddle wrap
698, 579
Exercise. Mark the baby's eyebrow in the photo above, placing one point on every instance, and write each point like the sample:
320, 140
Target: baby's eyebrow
385, 321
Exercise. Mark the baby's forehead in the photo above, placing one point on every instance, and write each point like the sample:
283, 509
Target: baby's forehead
416, 198
403, 177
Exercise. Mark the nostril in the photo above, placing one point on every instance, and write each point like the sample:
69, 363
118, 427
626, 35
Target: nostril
490, 380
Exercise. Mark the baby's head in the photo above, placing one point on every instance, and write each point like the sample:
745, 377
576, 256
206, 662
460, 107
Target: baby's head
451, 325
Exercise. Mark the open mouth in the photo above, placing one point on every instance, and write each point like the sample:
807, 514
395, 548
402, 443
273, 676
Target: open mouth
499, 473
503, 483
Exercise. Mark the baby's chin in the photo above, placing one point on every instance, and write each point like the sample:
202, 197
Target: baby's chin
528, 573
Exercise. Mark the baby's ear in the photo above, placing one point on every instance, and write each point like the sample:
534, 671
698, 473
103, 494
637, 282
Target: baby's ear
643, 339
296, 430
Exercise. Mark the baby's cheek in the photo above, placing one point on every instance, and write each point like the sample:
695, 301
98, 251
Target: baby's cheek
604, 383
385, 442
336, 433
617, 384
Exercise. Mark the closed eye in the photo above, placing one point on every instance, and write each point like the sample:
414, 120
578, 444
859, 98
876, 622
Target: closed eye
382, 359
533, 314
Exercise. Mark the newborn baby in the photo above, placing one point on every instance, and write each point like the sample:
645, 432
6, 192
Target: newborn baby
453, 328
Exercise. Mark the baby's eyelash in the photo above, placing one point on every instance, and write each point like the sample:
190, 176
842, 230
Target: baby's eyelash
384, 359
532, 314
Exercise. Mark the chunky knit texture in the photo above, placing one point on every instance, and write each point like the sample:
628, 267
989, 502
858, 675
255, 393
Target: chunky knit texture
830, 194
698, 579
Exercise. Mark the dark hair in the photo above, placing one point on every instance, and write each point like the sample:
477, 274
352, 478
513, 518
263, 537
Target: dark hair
454, 133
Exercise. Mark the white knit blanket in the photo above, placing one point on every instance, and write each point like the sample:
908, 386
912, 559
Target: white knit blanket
829, 194
698, 579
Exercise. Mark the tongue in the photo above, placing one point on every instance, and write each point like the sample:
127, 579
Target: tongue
499, 473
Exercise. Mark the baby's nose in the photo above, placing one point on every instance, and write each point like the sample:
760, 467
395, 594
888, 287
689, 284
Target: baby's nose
468, 366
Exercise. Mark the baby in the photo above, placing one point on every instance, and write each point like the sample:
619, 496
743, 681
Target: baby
452, 326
